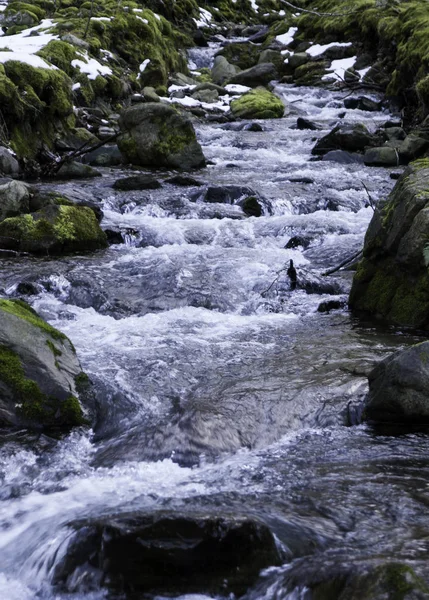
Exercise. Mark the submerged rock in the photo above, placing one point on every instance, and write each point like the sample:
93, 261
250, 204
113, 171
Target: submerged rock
398, 387
155, 134
392, 280
166, 553
352, 138
39, 371
137, 182
258, 104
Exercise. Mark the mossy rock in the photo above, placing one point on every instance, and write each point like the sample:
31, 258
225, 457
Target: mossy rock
38, 368
243, 55
155, 134
258, 104
55, 229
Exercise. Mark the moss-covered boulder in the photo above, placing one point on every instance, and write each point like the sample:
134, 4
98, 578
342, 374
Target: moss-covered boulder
241, 54
54, 229
392, 280
39, 372
155, 134
258, 104
14, 198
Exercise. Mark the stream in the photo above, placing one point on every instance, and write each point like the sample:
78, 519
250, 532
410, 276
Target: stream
222, 389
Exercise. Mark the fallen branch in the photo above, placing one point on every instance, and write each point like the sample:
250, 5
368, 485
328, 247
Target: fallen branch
343, 264
371, 201
314, 12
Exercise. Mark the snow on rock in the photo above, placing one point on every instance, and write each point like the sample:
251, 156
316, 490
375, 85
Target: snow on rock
205, 18
25, 57
318, 49
287, 38
91, 67
235, 88
339, 67
144, 64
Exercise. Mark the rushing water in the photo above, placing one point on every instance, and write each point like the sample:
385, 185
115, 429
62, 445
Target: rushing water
219, 386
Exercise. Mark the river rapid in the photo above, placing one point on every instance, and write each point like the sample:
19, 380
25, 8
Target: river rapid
219, 387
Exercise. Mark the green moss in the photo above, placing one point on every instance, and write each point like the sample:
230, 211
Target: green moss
61, 54
55, 351
22, 310
38, 11
258, 104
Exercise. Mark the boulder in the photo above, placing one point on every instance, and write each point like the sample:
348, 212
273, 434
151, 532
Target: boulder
383, 156
224, 194
311, 72
362, 103
222, 70
258, 104
137, 182
14, 198
54, 228
412, 147
76, 170
398, 387
208, 96
343, 157
303, 123
352, 138
392, 280
241, 54
156, 134
150, 94
39, 372
184, 181
211, 87
167, 553
8, 163
272, 56
298, 59
106, 156
260, 74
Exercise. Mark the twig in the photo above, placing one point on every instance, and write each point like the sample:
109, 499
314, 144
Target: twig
343, 264
314, 12
371, 201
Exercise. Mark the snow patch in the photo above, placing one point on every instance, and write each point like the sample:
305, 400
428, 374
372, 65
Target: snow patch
339, 67
144, 64
91, 67
318, 49
287, 38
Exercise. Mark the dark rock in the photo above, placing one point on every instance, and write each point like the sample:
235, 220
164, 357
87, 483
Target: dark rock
362, 103
211, 87
106, 156
382, 157
200, 39
14, 198
8, 163
298, 240
412, 147
167, 553
339, 52
260, 36
27, 288
156, 134
307, 124
329, 305
251, 206
352, 138
76, 170
184, 180
305, 180
253, 127
343, 157
137, 182
207, 96
241, 54
298, 59
222, 70
114, 237
258, 75
226, 194
398, 387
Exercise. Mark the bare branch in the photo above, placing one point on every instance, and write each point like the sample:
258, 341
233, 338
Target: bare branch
314, 12
343, 264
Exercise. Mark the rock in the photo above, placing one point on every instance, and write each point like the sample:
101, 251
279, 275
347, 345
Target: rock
208, 96
260, 74
298, 59
8, 163
260, 36
298, 240
256, 127
222, 70
14, 198
150, 94
343, 157
167, 553
392, 280
137, 182
395, 134
351, 75
155, 134
105, 132
381, 157
339, 52
27, 288
76, 139
272, 56
106, 156
328, 305
241, 54
352, 138
251, 206
76, 170
311, 73
184, 180
412, 147
258, 104
56, 229
226, 194
114, 236
181, 79
39, 372
212, 87
75, 41
306, 124
362, 103
398, 387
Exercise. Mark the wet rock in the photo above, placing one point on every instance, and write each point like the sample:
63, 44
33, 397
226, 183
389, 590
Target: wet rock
392, 279
137, 182
362, 103
339, 52
298, 240
184, 180
352, 138
260, 74
328, 305
211, 87
150, 94
8, 163
343, 157
253, 127
226, 194
260, 36
55, 228
166, 553
200, 39
395, 134
222, 70
251, 206
14, 198
258, 104
155, 134
208, 96
76, 170
311, 73
303, 123
381, 157
241, 54
27, 288
298, 59
39, 371
106, 156
114, 237
398, 387
412, 147
86, 293
272, 56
